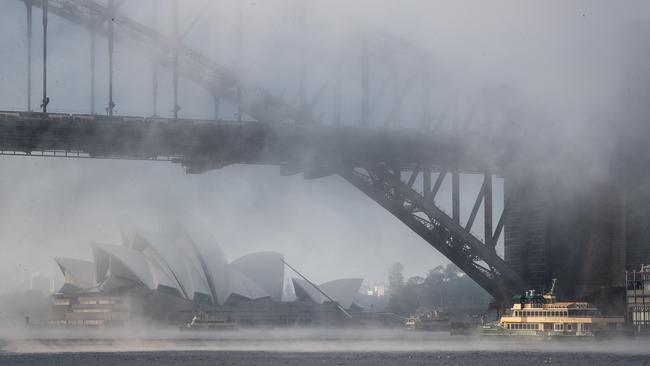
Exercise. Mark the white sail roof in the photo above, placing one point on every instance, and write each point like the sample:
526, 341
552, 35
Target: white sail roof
126, 263
343, 291
305, 291
214, 264
77, 272
178, 252
265, 269
244, 287
162, 272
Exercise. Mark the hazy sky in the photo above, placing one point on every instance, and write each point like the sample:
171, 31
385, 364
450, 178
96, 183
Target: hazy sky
547, 61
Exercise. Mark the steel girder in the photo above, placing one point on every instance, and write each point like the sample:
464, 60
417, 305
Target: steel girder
479, 261
256, 102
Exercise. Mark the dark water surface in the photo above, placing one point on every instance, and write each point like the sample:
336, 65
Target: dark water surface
201, 358
311, 347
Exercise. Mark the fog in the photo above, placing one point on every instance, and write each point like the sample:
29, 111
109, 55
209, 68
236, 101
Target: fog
295, 340
564, 68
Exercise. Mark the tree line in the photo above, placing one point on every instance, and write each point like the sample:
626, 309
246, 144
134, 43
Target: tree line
444, 288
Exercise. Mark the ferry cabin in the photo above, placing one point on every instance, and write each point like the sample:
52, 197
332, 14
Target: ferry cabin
570, 318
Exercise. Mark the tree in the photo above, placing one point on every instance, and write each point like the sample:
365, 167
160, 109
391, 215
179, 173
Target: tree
444, 288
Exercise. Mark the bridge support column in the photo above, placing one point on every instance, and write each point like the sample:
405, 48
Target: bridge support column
29, 56
426, 171
46, 100
240, 59
154, 64
92, 70
455, 195
365, 83
175, 55
111, 16
487, 210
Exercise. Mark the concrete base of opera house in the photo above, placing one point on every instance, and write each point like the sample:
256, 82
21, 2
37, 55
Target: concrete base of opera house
108, 310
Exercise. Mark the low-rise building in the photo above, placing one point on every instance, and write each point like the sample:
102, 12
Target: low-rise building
638, 298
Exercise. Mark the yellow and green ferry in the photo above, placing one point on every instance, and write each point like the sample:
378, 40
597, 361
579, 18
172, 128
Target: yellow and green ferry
533, 314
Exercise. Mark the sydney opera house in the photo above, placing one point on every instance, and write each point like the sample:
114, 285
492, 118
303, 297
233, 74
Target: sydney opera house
168, 278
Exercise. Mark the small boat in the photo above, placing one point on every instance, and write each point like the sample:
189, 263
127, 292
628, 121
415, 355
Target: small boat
204, 321
432, 321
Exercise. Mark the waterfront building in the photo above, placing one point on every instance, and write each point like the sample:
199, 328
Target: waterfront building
638, 298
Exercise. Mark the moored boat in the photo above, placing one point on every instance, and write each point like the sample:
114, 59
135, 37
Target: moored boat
204, 321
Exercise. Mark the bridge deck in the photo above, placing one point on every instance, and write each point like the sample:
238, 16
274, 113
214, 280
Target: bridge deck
202, 145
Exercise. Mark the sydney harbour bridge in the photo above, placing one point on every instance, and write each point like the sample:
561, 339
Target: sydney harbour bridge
548, 231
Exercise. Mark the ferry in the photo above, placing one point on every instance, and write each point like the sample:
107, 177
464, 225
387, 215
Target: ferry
432, 321
205, 321
539, 315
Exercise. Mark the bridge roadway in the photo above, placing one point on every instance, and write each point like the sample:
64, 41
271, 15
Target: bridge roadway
202, 145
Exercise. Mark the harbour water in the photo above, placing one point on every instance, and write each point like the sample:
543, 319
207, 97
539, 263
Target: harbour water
329, 358
161, 347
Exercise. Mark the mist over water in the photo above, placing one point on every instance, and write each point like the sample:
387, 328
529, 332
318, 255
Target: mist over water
324, 346
330, 340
